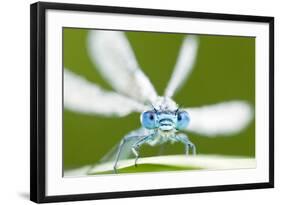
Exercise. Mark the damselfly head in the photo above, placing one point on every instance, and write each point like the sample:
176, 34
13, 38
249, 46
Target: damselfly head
165, 115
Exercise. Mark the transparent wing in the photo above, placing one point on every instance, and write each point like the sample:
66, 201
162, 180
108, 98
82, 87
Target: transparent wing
226, 118
83, 96
126, 151
184, 65
115, 60
125, 154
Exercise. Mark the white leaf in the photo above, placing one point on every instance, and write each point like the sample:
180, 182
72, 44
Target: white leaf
205, 162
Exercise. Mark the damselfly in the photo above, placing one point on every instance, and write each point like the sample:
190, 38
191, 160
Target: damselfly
161, 118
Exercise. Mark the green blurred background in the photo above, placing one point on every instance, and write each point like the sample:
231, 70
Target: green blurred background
224, 70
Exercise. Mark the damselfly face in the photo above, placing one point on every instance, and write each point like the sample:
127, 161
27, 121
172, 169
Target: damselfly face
165, 120
165, 116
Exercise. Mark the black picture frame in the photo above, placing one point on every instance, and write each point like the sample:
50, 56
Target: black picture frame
38, 100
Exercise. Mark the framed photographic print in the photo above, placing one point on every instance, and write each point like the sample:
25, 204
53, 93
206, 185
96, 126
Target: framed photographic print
129, 102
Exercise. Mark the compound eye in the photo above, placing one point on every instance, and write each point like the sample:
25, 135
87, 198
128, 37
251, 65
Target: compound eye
148, 119
182, 120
